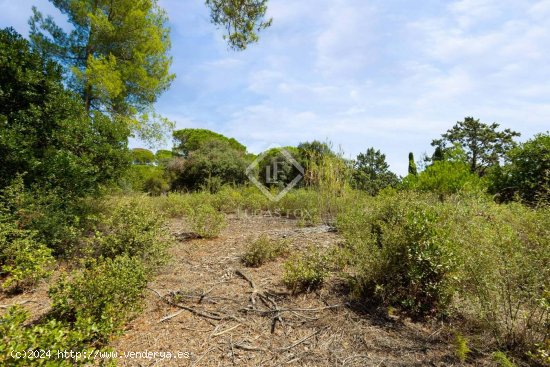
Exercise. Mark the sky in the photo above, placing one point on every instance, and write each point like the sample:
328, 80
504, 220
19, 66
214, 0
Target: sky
389, 74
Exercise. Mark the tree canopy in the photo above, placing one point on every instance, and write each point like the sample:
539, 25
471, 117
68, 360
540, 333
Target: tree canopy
116, 56
45, 133
483, 144
241, 19
526, 173
188, 140
372, 172
215, 162
142, 156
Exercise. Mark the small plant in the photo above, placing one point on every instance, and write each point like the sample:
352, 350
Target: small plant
502, 360
100, 298
263, 250
461, 348
207, 222
306, 272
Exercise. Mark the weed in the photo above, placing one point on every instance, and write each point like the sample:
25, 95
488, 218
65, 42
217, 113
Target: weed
461, 348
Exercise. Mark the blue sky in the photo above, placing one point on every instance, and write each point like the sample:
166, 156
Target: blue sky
392, 74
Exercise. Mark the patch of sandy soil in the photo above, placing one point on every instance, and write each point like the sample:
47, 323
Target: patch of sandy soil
213, 311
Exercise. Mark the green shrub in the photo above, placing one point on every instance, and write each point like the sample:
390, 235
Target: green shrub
486, 262
173, 205
306, 272
143, 178
53, 219
227, 199
207, 222
526, 174
263, 250
445, 178
505, 252
23, 258
156, 186
99, 299
132, 227
51, 336
402, 254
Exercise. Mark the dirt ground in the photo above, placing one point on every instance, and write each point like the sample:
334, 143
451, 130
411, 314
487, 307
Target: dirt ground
205, 308
215, 312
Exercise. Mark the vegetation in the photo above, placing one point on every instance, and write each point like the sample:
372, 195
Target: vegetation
372, 172
263, 250
207, 222
242, 19
461, 348
211, 165
483, 144
108, 73
526, 174
100, 298
46, 135
307, 271
465, 239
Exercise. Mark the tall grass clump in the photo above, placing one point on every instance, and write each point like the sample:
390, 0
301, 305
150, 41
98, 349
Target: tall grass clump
329, 176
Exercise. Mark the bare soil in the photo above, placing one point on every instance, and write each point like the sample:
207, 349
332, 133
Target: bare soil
212, 310
215, 312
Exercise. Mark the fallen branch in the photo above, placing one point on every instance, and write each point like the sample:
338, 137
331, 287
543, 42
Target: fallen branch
226, 330
302, 340
192, 310
250, 348
290, 309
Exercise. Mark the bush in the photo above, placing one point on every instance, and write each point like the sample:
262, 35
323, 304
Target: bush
22, 258
444, 178
156, 186
306, 272
173, 205
51, 337
53, 219
144, 178
263, 250
99, 299
207, 222
212, 165
486, 262
403, 254
132, 227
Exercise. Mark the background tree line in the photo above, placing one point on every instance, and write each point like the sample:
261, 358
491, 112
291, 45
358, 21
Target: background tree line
470, 155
